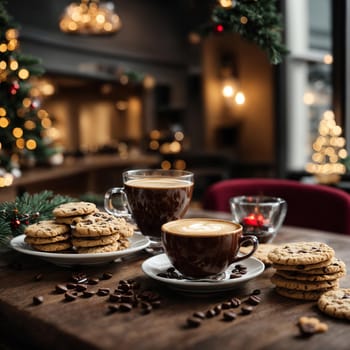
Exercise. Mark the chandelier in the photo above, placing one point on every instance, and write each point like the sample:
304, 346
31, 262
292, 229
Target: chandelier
90, 17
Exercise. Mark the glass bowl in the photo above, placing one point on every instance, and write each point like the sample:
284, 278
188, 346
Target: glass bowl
261, 216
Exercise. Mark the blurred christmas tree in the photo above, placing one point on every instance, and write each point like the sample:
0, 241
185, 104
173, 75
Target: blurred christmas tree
23, 124
328, 152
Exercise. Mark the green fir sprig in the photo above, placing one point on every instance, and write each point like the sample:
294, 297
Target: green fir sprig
258, 21
25, 210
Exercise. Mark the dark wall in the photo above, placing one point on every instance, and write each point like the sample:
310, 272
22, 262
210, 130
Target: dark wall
153, 41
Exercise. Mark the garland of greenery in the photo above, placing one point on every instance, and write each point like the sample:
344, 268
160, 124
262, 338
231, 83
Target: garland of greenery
258, 21
25, 210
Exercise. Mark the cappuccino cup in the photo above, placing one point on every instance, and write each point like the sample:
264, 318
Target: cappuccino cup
204, 248
151, 197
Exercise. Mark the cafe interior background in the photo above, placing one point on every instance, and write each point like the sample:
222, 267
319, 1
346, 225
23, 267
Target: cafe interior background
157, 94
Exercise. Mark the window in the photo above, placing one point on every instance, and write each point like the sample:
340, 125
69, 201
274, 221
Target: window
308, 77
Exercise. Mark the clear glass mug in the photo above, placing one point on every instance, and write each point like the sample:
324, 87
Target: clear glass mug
151, 197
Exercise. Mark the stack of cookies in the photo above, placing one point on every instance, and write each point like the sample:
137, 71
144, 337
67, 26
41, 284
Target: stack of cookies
100, 233
79, 227
48, 236
305, 270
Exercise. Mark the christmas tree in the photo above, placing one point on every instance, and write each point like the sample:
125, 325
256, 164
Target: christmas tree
23, 124
328, 151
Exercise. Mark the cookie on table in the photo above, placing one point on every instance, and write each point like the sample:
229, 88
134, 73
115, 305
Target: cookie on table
335, 303
301, 253
302, 295
311, 325
261, 253
46, 229
293, 275
73, 209
279, 281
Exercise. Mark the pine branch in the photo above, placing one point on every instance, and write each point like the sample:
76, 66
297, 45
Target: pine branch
262, 25
25, 210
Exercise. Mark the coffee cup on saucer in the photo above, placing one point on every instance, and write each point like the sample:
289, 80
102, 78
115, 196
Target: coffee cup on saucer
204, 248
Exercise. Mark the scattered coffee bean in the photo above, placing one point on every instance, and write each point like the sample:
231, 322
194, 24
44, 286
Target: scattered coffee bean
79, 277
103, 292
226, 305
199, 314
116, 297
194, 322
71, 285
246, 309
162, 274
235, 275
88, 293
124, 287
113, 308
69, 296
256, 292
229, 316
235, 302
38, 277
254, 300
93, 281
81, 287
60, 288
125, 307
146, 307
106, 276
217, 309
38, 299
127, 298
210, 313
171, 273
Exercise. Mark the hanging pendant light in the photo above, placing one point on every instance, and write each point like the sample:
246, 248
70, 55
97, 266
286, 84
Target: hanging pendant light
90, 17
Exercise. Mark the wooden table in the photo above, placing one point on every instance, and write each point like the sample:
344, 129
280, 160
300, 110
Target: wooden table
86, 324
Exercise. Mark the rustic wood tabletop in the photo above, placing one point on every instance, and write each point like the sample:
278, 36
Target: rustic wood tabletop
34, 312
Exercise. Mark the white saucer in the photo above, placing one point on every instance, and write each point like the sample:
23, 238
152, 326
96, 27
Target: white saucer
137, 242
160, 263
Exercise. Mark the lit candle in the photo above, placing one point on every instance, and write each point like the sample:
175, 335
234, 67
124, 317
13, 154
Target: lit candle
254, 219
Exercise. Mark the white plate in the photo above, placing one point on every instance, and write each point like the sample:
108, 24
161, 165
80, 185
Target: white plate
137, 242
160, 263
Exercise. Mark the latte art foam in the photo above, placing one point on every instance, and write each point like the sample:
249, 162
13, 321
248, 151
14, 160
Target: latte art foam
200, 227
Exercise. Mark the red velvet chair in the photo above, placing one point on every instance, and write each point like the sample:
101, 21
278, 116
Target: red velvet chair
310, 206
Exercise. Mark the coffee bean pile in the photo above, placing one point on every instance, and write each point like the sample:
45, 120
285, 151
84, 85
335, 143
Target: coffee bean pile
229, 310
238, 271
126, 296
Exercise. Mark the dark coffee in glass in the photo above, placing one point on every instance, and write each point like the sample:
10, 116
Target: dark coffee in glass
152, 197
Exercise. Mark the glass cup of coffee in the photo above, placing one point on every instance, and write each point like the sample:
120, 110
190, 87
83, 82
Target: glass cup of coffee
151, 197
204, 248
